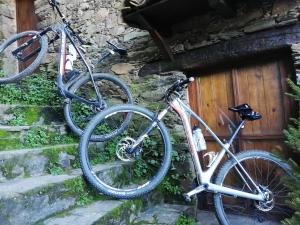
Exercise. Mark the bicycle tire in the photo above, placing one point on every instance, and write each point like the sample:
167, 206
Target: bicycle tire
104, 186
36, 62
226, 206
81, 84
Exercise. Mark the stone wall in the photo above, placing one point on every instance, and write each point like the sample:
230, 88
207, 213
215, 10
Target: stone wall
100, 20
7, 19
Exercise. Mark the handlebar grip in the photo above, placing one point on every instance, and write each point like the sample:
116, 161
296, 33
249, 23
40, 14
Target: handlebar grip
188, 80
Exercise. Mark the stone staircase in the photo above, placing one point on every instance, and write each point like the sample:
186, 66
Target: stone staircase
41, 182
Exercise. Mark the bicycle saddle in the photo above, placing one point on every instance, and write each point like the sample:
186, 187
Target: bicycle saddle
246, 112
240, 108
121, 51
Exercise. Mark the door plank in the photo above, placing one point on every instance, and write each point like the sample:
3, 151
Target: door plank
262, 85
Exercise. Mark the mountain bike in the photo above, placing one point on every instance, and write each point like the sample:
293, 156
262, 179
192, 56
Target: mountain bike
248, 187
85, 93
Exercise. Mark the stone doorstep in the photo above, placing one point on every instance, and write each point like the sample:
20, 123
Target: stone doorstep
29, 200
30, 151
166, 214
86, 215
26, 162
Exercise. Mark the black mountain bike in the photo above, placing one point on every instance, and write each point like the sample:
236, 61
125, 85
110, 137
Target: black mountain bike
85, 93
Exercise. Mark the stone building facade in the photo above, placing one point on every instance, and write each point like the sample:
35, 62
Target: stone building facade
7, 19
101, 20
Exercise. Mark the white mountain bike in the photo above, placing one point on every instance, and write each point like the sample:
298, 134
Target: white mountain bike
248, 186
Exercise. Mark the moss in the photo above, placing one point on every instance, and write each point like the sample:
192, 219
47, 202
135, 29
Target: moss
7, 168
122, 214
52, 154
9, 144
32, 115
5, 134
23, 116
139, 87
82, 191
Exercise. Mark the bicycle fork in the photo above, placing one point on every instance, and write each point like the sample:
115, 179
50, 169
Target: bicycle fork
146, 133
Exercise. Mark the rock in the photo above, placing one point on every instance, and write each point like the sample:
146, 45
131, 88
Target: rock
134, 35
65, 160
102, 14
260, 25
35, 165
122, 68
17, 171
2, 177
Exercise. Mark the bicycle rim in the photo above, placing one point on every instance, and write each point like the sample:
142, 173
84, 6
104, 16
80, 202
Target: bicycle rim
113, 92
267, 172
13, 67
141, 170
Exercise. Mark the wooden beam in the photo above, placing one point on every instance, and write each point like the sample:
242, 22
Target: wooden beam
228, 51
296, 56
158, 39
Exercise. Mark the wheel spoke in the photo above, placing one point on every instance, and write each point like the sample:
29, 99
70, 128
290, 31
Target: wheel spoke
267, 172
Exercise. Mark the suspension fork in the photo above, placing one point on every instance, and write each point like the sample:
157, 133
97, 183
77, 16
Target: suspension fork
148, 130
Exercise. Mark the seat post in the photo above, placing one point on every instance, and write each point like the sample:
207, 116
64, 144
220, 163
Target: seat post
237, 130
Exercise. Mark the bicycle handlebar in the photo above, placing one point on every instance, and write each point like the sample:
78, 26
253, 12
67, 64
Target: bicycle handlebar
178, 86
55, 4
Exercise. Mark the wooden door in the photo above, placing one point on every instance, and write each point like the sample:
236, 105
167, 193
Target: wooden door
26, 17
26, 20
262, 85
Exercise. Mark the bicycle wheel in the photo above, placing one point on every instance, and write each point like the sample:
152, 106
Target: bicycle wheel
130, 174
268, 172
12, 67
78, 113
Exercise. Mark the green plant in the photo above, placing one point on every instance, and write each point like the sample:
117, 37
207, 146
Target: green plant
83, 192
55, 169
37, 136
292, 136
40, 136
1, 72
38, 89
185, 220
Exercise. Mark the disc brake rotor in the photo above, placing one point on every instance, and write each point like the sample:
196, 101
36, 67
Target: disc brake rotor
121, 152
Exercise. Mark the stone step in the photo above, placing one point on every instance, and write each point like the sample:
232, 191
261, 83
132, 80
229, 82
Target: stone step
161, 214
29, 200
19, 137
26, 115
87, 215
16, 164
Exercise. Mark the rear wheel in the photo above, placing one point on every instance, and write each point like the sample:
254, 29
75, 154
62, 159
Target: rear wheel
15, 66
268, 172
132, 173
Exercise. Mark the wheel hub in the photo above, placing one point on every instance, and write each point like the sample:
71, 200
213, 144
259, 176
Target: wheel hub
122, 150
269, 202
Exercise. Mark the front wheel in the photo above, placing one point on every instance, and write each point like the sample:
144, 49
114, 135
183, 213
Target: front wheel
268, 172
18, 60
113, 91
111, 167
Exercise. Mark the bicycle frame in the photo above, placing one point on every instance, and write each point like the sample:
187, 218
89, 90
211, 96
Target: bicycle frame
204, 177
64, 35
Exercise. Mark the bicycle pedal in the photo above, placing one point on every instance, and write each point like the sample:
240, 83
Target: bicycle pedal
187, 198
195, 191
